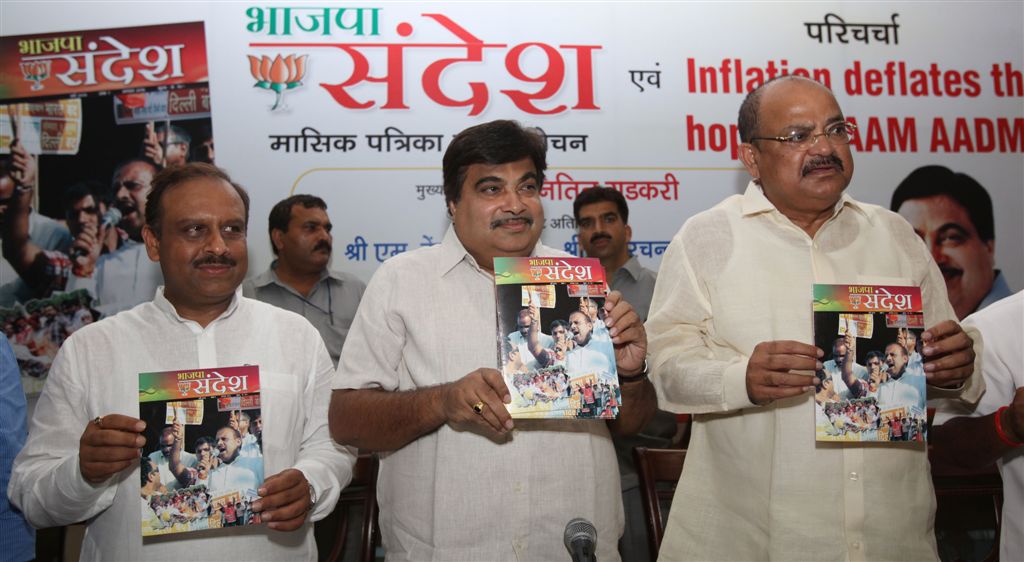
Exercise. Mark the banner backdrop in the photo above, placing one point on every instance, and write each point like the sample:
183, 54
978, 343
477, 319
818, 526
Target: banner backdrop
357, 102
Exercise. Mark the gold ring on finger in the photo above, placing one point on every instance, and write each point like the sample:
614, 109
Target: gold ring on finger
98, 421
478, 408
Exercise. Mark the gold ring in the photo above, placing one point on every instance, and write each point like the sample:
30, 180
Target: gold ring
478, 408
98, 421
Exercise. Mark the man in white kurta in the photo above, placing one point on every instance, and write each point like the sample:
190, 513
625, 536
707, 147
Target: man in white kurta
417, 378
199, 320
730, 313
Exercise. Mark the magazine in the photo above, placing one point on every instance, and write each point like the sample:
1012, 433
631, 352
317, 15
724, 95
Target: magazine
202, 463
872, 385
554, 350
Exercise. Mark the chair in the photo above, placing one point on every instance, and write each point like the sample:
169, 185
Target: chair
967, 500
658, 470
362, 491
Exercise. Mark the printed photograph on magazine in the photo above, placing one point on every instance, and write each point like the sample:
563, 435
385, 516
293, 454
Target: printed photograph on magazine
202, 463
872, 384
554, 349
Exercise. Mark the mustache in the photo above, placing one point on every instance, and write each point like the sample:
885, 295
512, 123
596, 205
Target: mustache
945, 269
600, 236
505, 220
322, 245
214, 260
822, 162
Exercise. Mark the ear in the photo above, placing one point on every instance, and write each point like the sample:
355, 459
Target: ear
991, 246
276, 237
451, 209
152, 243
629, 234
749, 155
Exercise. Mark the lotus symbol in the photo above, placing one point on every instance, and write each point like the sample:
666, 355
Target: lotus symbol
278, 74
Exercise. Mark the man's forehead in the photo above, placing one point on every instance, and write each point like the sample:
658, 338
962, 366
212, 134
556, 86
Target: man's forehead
599, 208
796, 99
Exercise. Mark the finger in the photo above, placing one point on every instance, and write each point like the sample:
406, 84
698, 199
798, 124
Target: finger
951, 343
630, 332
611, 300
949, 377
288, 478
955, 360
785, 363
284, 498
287, 524
124, 423
780, 392
488, 417
785, 380
93, 454
790, 347
497, 384
114, 438
941, 330
99, 471
494, 412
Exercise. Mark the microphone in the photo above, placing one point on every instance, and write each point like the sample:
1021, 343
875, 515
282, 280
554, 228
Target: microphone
110, 218
581, 540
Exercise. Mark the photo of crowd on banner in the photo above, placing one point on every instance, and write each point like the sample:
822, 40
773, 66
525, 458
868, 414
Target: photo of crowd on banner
872, 387
568, 371
74, 176
204, 467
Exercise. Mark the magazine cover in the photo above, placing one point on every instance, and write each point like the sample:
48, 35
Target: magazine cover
554, 349
203, 459
872, 384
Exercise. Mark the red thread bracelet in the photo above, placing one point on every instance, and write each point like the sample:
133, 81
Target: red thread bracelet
1001, 433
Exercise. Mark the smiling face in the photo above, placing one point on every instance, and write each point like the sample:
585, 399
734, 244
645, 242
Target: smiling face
499, 212
967, 262
201, 247
801, 183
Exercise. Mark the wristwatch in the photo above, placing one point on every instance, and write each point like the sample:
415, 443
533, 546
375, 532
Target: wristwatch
637, 377
312, 496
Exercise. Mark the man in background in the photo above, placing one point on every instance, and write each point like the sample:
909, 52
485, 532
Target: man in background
993, 431
952, 213
125, 277
299, 279
18, 176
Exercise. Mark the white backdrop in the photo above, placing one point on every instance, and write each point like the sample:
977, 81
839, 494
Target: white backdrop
676, 127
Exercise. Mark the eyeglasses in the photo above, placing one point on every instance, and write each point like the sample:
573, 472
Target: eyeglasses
836, 133
131, 185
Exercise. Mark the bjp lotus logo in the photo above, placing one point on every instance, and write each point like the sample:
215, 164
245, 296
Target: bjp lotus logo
278, 74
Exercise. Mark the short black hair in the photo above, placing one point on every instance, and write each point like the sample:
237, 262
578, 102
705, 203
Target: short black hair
176, 175
281, 214
748, 118
931, 181
80, 190
600, 194
125, 163
146, 467
496, 142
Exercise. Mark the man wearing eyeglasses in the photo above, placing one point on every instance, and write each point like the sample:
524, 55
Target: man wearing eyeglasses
299, 279
729, 325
